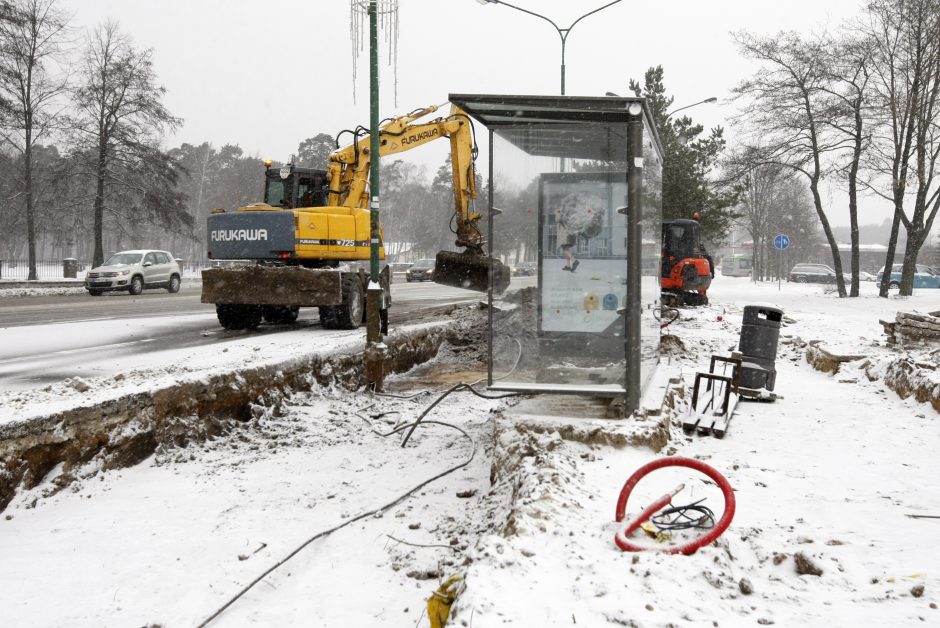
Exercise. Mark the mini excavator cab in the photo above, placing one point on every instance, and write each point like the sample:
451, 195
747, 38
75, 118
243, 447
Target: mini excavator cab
686, 271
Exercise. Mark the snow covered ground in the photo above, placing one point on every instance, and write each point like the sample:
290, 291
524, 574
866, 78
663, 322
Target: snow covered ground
829, 472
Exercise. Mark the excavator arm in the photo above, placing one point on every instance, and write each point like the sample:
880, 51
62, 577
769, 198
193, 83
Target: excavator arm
348, 175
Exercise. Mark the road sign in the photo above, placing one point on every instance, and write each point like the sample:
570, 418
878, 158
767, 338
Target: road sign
781, 241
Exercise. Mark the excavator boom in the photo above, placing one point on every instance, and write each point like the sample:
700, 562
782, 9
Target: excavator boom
349, 180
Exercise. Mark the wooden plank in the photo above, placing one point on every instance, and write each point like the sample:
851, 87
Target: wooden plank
720, 428
912, 316
919, 325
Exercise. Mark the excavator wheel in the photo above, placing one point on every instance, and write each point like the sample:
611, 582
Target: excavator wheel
232, 316
280, 314
347, 315
327, 316
470, 271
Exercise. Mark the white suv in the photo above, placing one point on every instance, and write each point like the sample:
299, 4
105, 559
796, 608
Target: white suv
133, 271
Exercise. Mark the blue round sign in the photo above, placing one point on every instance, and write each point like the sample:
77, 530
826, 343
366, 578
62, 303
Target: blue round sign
781, 241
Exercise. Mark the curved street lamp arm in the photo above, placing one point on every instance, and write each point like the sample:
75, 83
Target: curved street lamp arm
587, 14
562, 32
512, 6
701, 102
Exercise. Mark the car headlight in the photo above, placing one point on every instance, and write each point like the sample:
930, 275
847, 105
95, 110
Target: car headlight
123, 272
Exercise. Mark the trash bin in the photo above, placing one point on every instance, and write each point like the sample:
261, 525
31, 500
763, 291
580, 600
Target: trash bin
760, 332
70, 268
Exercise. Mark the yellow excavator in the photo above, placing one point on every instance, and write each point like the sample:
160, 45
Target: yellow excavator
310, 237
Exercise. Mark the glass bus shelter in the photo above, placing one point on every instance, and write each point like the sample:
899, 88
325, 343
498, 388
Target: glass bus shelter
575, 185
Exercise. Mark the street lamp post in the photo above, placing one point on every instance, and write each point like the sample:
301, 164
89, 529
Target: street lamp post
701, 102
562, 32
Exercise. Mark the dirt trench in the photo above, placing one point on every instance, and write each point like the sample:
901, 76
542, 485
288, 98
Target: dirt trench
905, 375
125, 431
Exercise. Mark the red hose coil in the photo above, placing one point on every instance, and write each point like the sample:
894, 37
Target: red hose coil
686, 548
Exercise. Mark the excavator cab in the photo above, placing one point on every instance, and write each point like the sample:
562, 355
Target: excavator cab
290, 187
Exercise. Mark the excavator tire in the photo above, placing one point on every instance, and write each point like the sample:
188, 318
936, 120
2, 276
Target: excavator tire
327, 316
470, 271
349, 314
280, 314
232, 316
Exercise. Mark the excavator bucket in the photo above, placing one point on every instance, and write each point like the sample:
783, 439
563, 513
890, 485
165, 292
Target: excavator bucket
470, 271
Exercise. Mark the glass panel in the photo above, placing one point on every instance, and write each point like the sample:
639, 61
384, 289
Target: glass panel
560, 329
274, 192
309, 193
651, 233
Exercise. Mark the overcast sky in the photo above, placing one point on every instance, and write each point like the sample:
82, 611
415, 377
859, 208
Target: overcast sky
265, 75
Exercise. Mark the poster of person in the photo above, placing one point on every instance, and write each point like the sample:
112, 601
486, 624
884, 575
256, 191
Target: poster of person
583, 248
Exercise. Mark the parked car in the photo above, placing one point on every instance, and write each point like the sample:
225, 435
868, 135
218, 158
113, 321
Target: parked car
133, 271
811, 273
422, 270
924, 276
397, 269
525, 269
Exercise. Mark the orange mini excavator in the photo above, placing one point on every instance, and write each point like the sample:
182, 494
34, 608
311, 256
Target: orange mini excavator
687, 269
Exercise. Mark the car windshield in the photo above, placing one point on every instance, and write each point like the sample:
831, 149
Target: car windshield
122, 259
423, 263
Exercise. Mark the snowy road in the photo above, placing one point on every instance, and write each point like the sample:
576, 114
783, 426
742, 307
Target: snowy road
49, 339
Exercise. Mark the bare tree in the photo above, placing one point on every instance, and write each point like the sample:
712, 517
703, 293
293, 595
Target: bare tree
772, 200
848, 70
32, 36
121, 118
788, 108
906, 145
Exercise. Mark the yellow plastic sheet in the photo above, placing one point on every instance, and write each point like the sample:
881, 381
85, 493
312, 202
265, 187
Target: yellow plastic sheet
440, 601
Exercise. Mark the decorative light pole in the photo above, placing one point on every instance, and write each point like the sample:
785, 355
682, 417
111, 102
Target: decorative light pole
562, 32
387, 10
373, 303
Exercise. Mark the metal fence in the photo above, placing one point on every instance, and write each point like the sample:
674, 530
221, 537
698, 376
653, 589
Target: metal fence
45, 269
55, 269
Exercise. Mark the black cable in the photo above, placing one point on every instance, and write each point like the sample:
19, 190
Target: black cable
669, 314
454, 388
359, 517
678, 517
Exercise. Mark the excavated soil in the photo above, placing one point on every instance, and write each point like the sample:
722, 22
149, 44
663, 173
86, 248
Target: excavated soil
125, 431
906, 375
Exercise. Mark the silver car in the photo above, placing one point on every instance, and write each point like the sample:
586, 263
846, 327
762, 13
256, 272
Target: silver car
133, 271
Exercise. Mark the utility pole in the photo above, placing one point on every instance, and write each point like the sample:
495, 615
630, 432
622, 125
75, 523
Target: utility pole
374, 357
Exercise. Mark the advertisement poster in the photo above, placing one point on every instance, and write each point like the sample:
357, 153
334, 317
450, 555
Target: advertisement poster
583, 249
